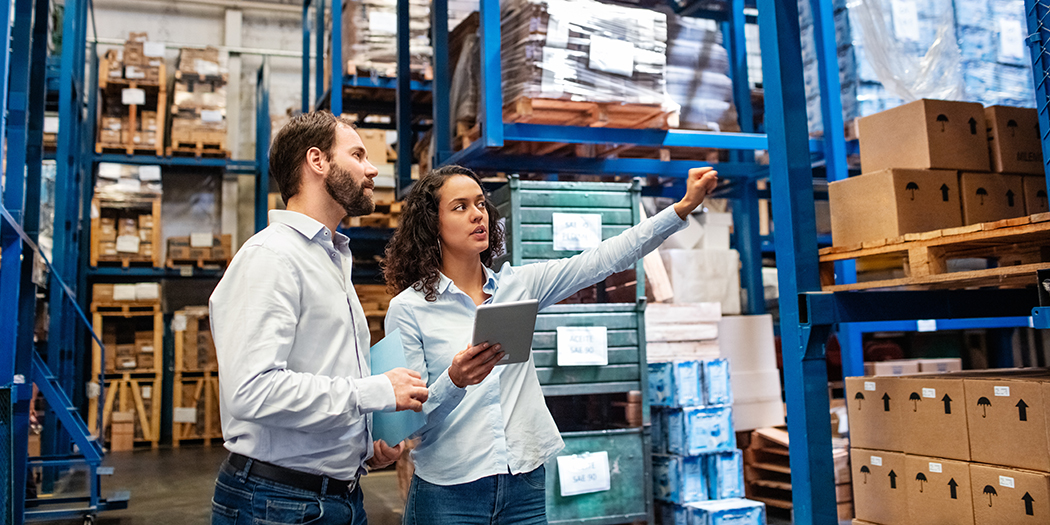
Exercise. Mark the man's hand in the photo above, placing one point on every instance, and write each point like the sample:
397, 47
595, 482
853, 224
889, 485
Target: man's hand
700, 184
384, 454
409, 389
473, 365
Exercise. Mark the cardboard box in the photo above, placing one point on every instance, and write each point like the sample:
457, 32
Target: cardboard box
938, 491
107, 249
879, 486
146, 249
1007, 419
1013, 139
893, 367
111, 123
124, 350
200, 253
941, 365
102, 292
127, 226
890, 203
122, 431
133, 55
109, 136
375, 144
990, 197
925, 134
144, 361
875, 405
145, 235
933, 420
1003, 496
1035, 194
146, 221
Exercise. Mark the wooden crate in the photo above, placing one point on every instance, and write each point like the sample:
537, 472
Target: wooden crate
194, 346
1018, 245
196, 394
103, 206
198, 142
218, 255
132, 392
156, 100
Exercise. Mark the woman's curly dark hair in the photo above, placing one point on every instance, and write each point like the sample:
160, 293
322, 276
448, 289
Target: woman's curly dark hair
413, 255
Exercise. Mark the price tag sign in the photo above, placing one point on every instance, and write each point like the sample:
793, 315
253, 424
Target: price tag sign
583, 346
211, 115
577, 231
584, 473
926, 325
130, 97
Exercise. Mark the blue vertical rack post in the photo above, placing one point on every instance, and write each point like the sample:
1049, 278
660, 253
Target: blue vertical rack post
1038, 15
262, 142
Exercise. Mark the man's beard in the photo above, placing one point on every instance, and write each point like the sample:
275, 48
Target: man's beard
351, 196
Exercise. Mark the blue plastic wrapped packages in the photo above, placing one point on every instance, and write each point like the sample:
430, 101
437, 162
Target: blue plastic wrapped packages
675, 384
972, 12
717, 390
679, 479
694, 431
734, 511
671, 514
658, 422
724, 472
977, 43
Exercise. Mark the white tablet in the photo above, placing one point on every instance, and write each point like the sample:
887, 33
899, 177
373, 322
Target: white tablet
508, 324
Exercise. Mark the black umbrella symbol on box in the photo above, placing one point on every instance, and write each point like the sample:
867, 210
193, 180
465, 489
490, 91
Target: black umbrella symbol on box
865, 470
860, 399
943, 119
915, 397
990, 491
1012, 125
912, 187
984, 403
982, 193
921, 478
1041, 195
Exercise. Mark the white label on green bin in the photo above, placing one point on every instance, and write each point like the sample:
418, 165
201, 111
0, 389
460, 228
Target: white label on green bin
583, 346
577, 231
584, 473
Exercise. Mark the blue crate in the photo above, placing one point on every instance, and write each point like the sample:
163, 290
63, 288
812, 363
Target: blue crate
717, 390
675, 384
724, 473
699, 430
671, 514
679, 479
735, 511
658, 422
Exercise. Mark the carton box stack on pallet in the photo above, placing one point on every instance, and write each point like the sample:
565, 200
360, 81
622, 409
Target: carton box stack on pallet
202, 249
195, 410
125, 216
961, 448
133, 101
198, 111
369, 39
130, 322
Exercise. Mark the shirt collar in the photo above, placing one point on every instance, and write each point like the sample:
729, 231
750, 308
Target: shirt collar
304, 224
489, 287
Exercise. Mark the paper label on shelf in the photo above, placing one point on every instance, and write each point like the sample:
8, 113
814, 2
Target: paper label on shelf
876, 461
1002, 391
147, 291
184, 415
201, 240
926, 325
124, 292
178, 323
382, 22
583, 346
584, 473
129, 96
936, 467
147, 392
930, 393
905, 20
211, 115
869, 386
577, 231
108, 170
128, 244
50, 124
153, 49
149, 173
611, 56
1011, 40
1006, 481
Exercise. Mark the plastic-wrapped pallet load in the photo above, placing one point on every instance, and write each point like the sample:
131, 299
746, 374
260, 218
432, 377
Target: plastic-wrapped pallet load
698, 74
198, 114
370, 36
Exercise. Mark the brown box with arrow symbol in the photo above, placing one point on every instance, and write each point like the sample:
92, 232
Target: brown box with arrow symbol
934, 416
1035, 200
875, 406
938, 491
1003, 496
1013, 139
879, 494
925, 134
990, 197
1007, 420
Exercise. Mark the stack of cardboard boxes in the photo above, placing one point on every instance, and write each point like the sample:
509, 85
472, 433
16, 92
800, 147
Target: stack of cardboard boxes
132, 79
959, 448
125, 232
200, 247
935, 164
198, 347
129, 345
195, 411
198, 112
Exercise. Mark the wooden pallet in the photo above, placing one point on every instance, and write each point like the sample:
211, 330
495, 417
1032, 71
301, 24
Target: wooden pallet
590, 114
221, 78
197, 148
126, 308
124, 261
199, 263
126, 393
201, 394
1019, 246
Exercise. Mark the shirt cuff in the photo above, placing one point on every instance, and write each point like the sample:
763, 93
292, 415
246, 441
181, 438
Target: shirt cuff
445, 391
668, 218
376, 394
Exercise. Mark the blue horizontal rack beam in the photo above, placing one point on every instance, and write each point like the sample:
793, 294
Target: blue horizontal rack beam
827, 308
156, 273
944, 324
202, 162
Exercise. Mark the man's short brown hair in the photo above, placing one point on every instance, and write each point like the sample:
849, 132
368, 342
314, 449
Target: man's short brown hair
289, 147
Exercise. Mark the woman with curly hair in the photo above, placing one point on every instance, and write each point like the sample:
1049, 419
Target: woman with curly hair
487, 435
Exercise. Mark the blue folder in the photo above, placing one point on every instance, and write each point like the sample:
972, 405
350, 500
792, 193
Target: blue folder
392, 427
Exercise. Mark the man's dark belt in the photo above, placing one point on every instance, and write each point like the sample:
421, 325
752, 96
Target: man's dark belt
292, 478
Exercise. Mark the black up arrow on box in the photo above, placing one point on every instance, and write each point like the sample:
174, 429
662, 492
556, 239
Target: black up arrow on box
886, 402
1022, 410
973, 126
944, 192
1010, 198
952, 484
893, 479
947, 404
1028, 504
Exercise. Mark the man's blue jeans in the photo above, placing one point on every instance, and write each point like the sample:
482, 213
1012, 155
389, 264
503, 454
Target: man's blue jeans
503, 499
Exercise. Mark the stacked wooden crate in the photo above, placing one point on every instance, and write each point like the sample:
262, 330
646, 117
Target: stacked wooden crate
198, 111
125, 230
195, 407
200, 249
133, 101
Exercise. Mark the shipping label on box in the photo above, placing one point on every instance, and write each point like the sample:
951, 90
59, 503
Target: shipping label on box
1035, 194
1013, 139
875, 405
1003, 496
933, 420
938, 490
1007, 422
925, 134
990, 197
